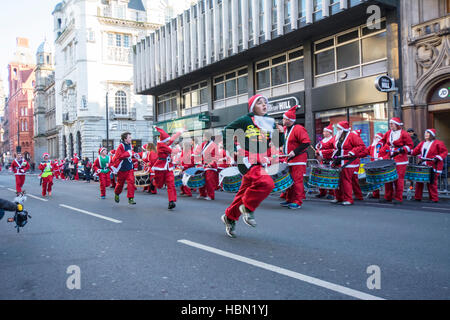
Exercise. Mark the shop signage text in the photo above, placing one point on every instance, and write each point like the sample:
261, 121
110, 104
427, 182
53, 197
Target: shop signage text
281, 105
385, 84
121, 126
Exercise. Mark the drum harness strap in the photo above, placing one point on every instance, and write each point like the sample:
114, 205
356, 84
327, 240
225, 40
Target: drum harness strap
338, 151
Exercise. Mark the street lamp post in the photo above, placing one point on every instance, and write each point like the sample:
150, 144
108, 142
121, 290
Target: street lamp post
107, 123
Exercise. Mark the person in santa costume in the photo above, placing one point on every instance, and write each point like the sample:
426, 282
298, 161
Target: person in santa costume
46, 175
296, 143
187, 161
355, 179
435, 150
122, 166
75, 161
55, 167
324, 151
373, 151
209, 152
256, 184
149, 157
397, 144
102, 170
348, 148
163, 167
19, 167
61, 169
112, 175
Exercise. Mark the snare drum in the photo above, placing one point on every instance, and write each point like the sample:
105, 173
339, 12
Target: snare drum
418, 173
281, 177
194, 178
178, 174
141, 178
367, 187
231, 179
324, 177
381, 171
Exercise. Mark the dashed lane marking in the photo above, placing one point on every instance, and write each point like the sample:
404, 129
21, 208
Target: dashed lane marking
90, 213
285, 272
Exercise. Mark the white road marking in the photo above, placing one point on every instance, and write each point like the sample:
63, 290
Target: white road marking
29, 195
289, 273
436, 208
90, 213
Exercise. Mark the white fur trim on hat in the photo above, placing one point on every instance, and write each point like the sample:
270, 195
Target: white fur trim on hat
397, 123
256, 99
341, 127
431, 132
330, 131
293, 120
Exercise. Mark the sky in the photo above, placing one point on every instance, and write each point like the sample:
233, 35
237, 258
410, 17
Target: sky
30, 19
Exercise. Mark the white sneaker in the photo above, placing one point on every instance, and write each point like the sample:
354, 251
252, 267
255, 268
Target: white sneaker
334, 201
200, 197
346, 203
208, 198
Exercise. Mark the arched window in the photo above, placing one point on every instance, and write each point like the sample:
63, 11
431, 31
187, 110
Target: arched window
65, 146
121, 103
71, 145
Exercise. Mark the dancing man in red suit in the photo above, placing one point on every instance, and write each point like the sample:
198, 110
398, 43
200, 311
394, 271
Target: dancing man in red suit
435, 150
102, 170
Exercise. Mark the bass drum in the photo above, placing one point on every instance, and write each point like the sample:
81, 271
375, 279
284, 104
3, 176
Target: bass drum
381, 171
230, 179
281, 177
141, 178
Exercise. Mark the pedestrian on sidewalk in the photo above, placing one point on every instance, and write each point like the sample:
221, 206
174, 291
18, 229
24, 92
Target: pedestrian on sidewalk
87, 169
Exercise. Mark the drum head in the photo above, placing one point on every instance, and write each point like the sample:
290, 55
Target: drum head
380, 164
193, 171
276, 168
230, 172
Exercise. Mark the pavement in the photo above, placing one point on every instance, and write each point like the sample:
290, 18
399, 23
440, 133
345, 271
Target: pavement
77, 246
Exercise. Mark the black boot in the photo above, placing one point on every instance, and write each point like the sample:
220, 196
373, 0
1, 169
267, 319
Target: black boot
171, 205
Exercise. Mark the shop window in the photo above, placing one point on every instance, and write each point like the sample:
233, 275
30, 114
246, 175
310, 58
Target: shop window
347, 55
231, 84
194, 97
166, 106
374, 47
325, 62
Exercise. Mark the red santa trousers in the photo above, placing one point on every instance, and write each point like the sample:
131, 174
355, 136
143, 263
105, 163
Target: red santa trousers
104, 180
56, 174
255, 187
344, 191
211, 182
76, 173
432, 189
129, 177
20, 180
323, 192
355, 186
166, 177
296, 193
186, 190
113, 180
399, 184
47, 184
62, 175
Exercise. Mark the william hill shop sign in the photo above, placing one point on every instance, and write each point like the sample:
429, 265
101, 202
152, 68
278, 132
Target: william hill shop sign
281, 105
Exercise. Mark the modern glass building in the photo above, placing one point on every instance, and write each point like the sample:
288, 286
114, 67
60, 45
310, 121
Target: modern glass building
323, 55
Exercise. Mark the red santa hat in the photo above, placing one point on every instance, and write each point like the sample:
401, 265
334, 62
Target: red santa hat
112, 151
101, 149
358, 132
379, 135
163, 136
344, 125
252, 101
291, 114
431, 131
329, 128
396, 121
145, 146
45, 155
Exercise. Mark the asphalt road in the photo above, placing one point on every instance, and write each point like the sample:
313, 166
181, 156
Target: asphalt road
322, 251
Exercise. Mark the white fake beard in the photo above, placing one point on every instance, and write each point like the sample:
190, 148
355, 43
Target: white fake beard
265, 123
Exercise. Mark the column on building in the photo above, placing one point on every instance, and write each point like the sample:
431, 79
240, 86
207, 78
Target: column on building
186, 42
225, 28
162, 48
267, 19
208, 33
180, 40
173, 46
168, 32
152, 60
294, 14
255, 19
200, 30
193, 29
157, 59
216, 24
245, 19
280, 17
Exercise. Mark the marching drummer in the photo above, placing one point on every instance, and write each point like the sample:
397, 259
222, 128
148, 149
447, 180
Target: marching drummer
210, 155
397, 144
187, 161
163, 166
122, 166
436, 151
101, 169
348, 148
324, 151
355, 181
373, 151
296, 143
256, 183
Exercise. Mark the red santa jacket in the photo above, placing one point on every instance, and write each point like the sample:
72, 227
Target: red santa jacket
394, 141
164, 151
293, 138
435, 149
187, 159
209, 155
352, 146
44, 165
326, 147
225, 161
374, 151
75, 160
19, 168
55, 166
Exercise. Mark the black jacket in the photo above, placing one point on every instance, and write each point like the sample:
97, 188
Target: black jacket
7, 205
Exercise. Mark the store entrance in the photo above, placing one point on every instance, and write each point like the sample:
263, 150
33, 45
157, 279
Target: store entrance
440, 121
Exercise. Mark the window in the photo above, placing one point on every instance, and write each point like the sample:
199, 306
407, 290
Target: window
126, 41
280, 70
194, 96
121, 103
166, 104
110, 39
118, 40
230, 84
274, 15
350, 54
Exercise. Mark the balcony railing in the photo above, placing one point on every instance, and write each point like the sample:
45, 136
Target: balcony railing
119, 54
